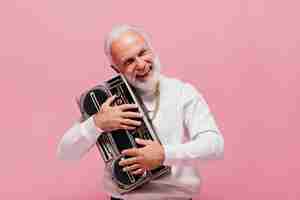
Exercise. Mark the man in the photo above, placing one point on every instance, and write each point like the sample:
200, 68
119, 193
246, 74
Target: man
172, 106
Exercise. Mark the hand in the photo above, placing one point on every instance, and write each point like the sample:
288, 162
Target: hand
145, 158
111, 118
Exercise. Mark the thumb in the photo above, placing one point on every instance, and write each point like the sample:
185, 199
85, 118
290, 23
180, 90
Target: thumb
143, 142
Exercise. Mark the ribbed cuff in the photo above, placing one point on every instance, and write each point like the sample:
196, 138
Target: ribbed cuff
170, 154
90, 130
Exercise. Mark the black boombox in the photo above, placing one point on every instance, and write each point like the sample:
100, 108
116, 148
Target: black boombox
111, 144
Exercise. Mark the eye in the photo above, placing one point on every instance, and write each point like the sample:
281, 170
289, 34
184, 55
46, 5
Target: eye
143, 52
128, 61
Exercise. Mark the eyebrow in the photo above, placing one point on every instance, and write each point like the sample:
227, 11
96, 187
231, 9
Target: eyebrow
144, 49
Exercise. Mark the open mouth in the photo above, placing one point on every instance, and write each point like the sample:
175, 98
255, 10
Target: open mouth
145, 74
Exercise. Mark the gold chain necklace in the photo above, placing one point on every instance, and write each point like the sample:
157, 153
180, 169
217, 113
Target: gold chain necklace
157, 97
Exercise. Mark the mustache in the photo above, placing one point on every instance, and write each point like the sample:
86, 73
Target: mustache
135, 74
146, 86
154, 66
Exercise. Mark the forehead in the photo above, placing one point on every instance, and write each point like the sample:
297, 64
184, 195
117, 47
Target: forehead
128, 44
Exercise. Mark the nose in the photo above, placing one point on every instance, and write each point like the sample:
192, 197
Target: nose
140, 63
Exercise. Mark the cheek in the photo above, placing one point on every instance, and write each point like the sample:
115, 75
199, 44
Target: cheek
129, 69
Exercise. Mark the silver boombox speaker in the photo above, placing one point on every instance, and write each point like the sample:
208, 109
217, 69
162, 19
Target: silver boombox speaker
111, 144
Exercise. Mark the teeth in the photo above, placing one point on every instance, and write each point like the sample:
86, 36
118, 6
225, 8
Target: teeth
145, 74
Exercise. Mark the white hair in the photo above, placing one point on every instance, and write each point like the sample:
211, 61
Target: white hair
116, 32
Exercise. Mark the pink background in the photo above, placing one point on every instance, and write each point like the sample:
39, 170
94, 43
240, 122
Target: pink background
243, 55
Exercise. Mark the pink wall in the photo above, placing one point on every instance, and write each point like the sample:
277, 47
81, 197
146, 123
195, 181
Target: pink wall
243, 55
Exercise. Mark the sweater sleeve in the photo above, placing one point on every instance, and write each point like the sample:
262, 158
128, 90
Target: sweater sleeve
206, 141
78, 140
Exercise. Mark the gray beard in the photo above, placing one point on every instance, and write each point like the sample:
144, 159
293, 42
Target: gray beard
148, 87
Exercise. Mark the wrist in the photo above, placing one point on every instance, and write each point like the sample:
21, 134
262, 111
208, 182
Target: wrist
98, 123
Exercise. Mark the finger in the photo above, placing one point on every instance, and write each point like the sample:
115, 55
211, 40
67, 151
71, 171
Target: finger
138, 171
109, 101
131, 122
129, 114
127, 127
131, 152
124, 107
132, 167
128, 161
143, 142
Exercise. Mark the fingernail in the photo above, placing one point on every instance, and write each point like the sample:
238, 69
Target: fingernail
125, 169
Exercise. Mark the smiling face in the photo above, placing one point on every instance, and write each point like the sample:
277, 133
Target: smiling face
134, 58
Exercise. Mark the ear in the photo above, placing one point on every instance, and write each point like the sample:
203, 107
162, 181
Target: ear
115, 68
